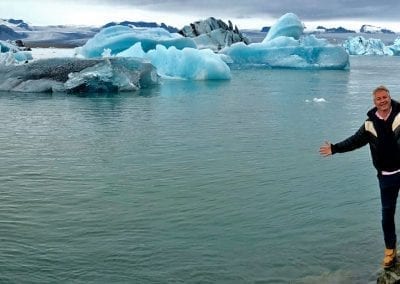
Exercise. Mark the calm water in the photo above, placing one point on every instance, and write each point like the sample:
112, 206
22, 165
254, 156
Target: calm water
193, 182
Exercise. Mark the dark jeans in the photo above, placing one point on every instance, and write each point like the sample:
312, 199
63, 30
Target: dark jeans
389, 187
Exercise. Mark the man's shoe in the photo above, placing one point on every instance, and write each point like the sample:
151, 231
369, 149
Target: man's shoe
390, 258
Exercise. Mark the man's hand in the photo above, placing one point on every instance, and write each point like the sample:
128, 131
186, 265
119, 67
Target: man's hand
325, 150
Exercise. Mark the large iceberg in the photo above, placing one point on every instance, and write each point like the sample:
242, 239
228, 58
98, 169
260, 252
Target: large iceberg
78, 75
173, 58
283, 47
188, 63
118, 38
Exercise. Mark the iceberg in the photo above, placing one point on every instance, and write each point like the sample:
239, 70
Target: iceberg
360, 46
12, 54
178, 59
74, 75
188, 63
288, 25
395, 47
283, 47
118, 38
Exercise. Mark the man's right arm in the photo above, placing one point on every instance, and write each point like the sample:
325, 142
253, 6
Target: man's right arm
358, 140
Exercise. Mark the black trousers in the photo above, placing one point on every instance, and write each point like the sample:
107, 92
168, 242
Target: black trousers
389, 188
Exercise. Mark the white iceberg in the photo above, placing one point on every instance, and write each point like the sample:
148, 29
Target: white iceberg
360, 46
284, 48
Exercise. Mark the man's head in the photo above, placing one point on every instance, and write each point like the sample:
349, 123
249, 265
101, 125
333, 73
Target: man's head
382, 99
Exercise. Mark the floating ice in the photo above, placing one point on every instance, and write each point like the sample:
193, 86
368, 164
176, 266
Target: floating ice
172, 54
395, 47
319, 100
360, 46
135, 57
188, 63
11, 54
288, 25
287, 51
316, 100
78, 75
118, 38
176, 57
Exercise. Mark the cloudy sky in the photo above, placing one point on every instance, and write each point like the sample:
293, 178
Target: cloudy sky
245, 14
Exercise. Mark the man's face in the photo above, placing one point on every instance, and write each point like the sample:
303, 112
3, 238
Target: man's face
382, 100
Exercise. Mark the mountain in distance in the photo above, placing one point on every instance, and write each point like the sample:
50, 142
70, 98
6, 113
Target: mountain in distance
364, 29
60, 35
73, 36
8, 33
45, 36
13, 29
142, 24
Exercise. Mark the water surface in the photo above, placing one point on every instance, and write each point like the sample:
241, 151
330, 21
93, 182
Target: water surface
193, 182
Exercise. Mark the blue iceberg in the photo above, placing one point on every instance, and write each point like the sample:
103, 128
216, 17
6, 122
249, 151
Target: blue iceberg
118, 38
283, 47
188, 63
289, 25
173, 55
395, 47
12, 54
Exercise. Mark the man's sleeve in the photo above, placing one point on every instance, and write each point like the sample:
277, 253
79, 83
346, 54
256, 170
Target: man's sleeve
358, 140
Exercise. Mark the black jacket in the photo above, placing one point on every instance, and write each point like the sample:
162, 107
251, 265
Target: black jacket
383, 138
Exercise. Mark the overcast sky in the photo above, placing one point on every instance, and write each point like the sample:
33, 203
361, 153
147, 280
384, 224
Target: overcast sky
244, 14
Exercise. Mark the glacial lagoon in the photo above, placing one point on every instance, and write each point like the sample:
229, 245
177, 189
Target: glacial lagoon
193, 181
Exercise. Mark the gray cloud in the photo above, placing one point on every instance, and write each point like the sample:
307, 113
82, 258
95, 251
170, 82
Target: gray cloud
307, 10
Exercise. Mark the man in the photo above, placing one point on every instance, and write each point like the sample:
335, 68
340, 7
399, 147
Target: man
381, 131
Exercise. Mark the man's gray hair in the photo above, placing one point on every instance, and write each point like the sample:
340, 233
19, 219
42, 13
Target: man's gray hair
381, 88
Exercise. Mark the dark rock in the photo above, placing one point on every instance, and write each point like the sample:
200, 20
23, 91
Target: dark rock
209, 27
265, 29
390, 275
338, 30
20, 23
